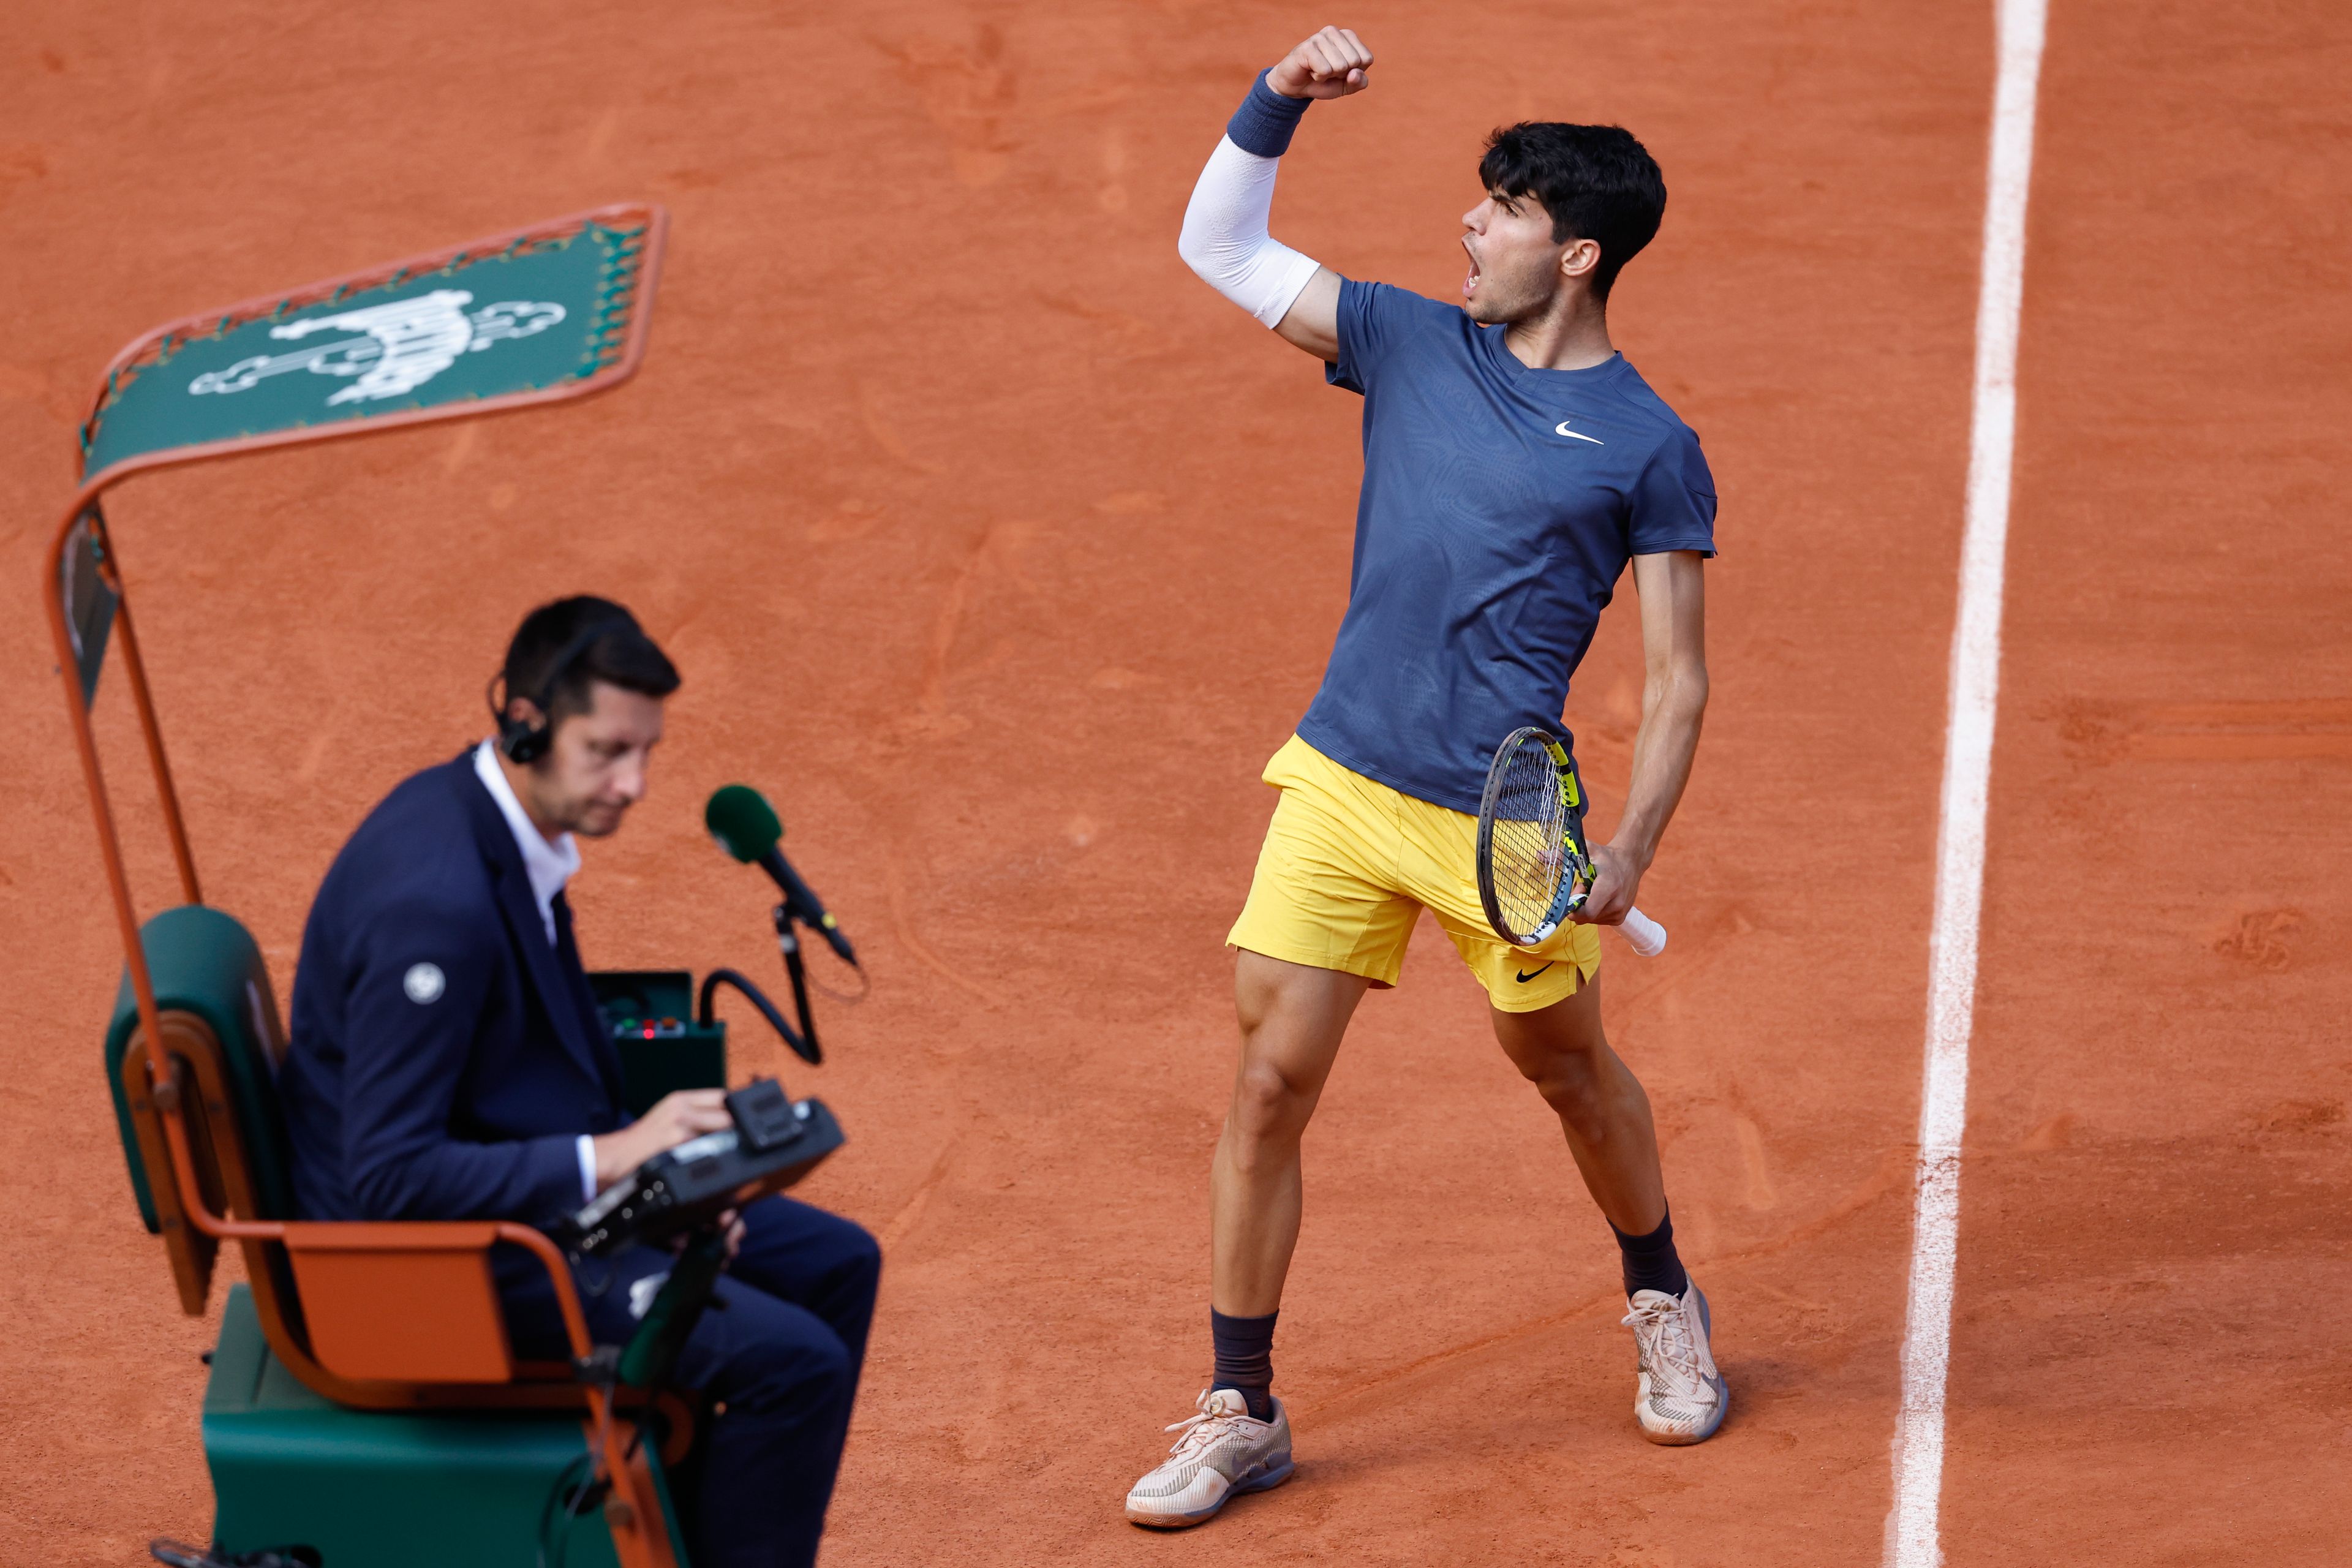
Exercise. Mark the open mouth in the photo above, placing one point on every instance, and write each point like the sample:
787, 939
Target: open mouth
1470, 282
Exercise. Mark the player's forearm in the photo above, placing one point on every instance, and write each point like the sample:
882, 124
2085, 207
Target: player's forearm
1224, 238
1674, 703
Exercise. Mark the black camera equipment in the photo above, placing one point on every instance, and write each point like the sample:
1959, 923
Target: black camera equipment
774, 1143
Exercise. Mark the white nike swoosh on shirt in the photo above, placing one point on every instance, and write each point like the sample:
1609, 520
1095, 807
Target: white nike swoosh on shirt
1561, 430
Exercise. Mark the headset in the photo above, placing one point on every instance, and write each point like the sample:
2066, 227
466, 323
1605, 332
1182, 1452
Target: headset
522, 741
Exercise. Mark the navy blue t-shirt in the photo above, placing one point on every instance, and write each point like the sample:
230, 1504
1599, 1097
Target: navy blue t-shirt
1500, 505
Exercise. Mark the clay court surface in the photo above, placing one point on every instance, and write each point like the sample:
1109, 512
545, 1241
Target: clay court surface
1002, 553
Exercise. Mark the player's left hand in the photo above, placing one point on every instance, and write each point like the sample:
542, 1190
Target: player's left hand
1616, 877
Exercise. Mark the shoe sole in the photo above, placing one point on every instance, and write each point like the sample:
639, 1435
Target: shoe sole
1253, 1481
1722, 1392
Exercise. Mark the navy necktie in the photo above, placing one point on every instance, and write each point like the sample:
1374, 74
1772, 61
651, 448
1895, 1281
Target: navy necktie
583, 996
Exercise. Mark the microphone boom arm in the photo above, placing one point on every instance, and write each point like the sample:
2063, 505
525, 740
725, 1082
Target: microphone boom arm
803, 1041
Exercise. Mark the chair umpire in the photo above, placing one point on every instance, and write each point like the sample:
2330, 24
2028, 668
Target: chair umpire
447, 1061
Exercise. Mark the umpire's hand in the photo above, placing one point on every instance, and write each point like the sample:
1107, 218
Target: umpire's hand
675, 1117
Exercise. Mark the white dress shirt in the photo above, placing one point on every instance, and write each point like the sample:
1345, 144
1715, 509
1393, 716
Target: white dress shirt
549, 866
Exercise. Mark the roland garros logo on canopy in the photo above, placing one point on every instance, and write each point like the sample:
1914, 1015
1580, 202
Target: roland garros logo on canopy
523, 317
399, 346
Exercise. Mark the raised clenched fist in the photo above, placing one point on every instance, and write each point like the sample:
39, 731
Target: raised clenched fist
1331, 64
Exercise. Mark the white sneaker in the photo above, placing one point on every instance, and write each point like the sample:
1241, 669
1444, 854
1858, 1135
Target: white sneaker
1679, 1397
1224, 1452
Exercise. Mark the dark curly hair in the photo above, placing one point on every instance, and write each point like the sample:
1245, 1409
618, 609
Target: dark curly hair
1596, 182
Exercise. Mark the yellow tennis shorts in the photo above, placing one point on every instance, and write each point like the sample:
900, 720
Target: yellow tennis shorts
1349, 864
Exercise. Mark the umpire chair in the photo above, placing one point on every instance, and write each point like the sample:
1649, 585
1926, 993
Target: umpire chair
363, 1401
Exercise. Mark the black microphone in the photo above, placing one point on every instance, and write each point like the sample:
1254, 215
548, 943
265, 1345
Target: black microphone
747, 827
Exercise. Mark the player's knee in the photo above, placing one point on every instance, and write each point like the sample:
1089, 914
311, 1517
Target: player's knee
1567, 1078
1269, 1107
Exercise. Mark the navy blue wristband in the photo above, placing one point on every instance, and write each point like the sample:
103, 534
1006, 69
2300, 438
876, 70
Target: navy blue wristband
1263, 122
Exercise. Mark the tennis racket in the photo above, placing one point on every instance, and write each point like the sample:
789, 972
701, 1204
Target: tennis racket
1534, 868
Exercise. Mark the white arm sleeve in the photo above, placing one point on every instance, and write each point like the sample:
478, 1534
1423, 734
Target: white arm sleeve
1224, 238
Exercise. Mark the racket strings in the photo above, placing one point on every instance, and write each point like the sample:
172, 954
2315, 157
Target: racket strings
1530, 831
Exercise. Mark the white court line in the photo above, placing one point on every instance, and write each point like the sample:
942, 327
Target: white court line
1912, 1537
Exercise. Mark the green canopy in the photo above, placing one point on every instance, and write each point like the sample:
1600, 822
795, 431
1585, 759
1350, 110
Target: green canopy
539, 313
555, 310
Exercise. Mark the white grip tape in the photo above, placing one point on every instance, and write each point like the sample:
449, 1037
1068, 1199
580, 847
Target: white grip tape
1643, 934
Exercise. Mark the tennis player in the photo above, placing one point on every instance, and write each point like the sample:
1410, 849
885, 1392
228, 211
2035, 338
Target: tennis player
1514, 465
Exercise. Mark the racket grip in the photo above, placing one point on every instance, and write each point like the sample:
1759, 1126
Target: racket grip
1643, 934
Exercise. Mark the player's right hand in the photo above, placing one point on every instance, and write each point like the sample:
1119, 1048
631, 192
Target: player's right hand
682, 1114
1331, 64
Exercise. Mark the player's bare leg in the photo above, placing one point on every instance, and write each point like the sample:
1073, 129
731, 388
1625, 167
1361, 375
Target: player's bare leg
1679, 1396
1603, 1110
1292, 1019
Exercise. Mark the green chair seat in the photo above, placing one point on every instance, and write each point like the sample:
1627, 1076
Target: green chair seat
377, 1489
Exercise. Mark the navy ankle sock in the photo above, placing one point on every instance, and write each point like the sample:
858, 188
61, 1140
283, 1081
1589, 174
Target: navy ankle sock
1245, 1358
1650, 1261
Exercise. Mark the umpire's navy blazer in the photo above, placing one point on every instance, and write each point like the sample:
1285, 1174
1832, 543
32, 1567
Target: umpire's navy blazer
443, 1058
